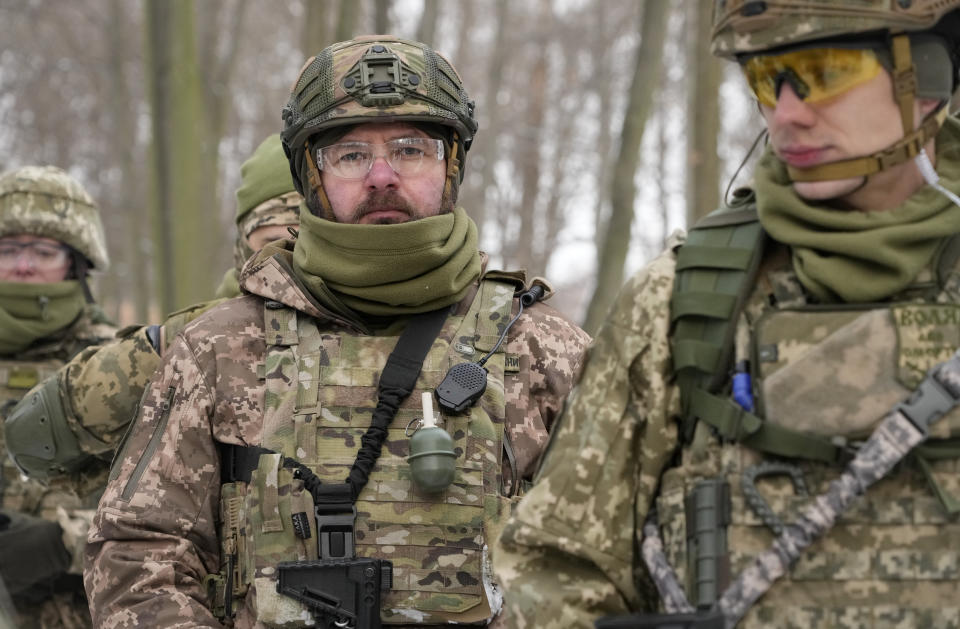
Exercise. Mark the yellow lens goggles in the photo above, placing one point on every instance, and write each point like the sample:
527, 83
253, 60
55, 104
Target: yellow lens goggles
815, 74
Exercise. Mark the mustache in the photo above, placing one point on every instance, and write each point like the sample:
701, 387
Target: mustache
380, 201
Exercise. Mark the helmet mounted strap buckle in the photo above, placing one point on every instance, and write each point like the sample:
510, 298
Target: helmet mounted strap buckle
904, 79
380, 79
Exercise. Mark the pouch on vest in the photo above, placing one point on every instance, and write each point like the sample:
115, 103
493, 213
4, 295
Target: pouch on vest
320, 391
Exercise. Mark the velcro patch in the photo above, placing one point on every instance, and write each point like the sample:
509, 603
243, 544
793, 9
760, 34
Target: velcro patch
511, 363
927, 334
301, 525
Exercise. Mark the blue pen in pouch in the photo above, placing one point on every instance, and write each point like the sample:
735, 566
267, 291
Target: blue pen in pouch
742, 392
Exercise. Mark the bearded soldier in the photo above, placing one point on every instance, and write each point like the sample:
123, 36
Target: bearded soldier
50, 237
739, 399
339, 447
91, 400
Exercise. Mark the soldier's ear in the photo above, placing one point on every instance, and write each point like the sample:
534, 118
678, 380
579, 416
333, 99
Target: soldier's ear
928, 105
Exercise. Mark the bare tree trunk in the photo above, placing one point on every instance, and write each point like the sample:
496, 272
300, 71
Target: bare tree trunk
703, 116
616, 239
603, 86
663, 145
427, 31
136, 280
484, 151
346, 20
178, 156
219, 44
464, 32
313, 37
528, 153
381, 22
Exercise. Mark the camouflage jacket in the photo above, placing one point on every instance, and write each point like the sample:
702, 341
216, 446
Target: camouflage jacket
571, 551
101, 386
17, 375
154, 539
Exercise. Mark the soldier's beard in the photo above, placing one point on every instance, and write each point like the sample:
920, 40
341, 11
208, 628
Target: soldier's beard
390, 200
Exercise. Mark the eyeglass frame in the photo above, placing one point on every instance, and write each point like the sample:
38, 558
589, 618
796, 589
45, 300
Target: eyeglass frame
319, 156
30, 248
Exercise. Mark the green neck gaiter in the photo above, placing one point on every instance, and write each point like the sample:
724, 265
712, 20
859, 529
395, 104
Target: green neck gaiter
854, 256
387, 270
29, 312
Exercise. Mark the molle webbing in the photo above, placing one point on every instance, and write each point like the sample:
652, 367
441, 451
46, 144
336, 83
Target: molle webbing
715, 272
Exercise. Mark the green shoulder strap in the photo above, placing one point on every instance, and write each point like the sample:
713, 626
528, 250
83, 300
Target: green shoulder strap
717, 268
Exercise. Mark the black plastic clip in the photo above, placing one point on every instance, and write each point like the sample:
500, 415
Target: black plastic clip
929, 402
335, 534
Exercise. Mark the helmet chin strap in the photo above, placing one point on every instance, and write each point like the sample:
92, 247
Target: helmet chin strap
907, 148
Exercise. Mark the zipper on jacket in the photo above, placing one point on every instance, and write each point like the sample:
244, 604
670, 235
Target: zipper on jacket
151, 448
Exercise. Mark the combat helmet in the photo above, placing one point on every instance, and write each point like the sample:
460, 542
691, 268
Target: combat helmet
375, 78
46, 201
904, 30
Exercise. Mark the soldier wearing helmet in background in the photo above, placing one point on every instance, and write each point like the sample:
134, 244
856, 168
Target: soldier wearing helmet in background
91, 400
743, 393
287, 467
268, 206
50, 237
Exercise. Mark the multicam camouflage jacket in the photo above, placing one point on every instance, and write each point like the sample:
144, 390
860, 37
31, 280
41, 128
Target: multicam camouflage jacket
571, 554
155, 539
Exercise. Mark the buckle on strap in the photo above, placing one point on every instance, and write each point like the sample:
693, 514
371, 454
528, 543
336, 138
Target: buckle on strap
936, 396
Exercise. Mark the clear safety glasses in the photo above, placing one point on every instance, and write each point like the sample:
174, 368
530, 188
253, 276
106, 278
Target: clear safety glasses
43, 256
815, 74
353, 160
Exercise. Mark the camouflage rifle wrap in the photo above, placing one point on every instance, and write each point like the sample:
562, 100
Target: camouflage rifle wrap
663, 575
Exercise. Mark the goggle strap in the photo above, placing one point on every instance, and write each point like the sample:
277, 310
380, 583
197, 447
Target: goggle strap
904, 79
904, 150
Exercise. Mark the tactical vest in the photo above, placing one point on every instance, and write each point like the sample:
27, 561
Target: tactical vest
821, 377
320, 393
19, 375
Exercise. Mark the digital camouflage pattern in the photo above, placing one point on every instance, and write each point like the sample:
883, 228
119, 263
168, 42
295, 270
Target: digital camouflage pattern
896, 436
70, 500
164, 499
321, 394
566, 557
571, 552
101, 386
46, 201
744, 26
281, 210
17, 376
